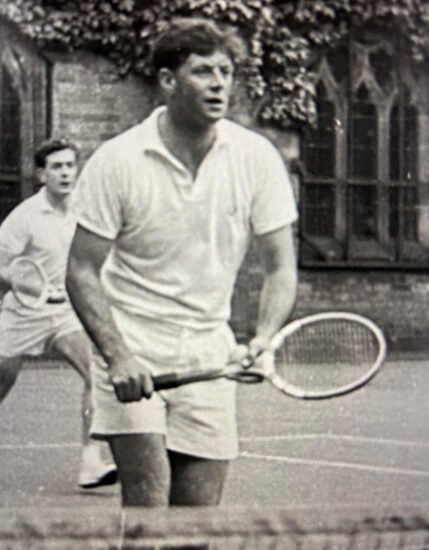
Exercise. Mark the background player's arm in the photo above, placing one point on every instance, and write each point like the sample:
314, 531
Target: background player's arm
14, 237
279, 286
87, 255
5, 258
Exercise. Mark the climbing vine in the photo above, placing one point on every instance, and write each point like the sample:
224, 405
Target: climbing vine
283, 37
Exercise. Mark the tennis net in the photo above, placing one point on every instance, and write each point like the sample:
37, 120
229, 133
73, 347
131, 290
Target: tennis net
215, 529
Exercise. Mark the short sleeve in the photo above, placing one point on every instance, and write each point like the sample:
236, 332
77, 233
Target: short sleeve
273, 204
97, 198
14, 232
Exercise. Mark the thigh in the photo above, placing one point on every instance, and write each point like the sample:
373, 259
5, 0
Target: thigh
143, 468
75, 347
196, 481
23, 333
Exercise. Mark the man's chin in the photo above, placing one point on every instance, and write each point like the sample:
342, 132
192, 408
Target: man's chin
214, 116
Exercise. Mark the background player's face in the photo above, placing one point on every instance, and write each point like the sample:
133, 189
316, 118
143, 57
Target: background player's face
60, 172
202, 87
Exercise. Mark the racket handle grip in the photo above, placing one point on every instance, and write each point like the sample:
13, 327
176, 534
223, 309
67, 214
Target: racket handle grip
166, 381
171, 380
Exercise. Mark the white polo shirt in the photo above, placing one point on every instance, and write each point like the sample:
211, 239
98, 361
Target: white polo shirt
179, 242
36, 229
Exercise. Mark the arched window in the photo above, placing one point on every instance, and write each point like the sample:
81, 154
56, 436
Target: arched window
23, 116
10, 144
365, 199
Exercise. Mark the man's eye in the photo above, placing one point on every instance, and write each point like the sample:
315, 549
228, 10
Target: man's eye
203, 71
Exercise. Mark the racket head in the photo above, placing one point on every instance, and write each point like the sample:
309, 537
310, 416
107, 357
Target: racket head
326, 355
29, 282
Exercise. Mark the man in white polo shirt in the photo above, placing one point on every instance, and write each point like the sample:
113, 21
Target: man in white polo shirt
41, 228
167, 210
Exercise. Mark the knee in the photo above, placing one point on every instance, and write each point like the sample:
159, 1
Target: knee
143, 469
144, 489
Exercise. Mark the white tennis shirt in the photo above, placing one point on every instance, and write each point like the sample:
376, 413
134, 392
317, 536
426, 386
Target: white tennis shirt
179, 242
38, 230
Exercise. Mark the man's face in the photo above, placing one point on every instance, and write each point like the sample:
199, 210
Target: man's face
203, 86
60, 172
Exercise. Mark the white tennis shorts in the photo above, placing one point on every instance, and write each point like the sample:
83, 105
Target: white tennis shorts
197, 419
32, 332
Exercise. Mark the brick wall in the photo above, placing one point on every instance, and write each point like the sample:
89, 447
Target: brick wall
91, 104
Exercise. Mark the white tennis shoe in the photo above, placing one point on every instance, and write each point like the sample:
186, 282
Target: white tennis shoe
95, 470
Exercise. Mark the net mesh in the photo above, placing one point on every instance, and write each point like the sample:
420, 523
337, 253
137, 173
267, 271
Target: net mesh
214, 529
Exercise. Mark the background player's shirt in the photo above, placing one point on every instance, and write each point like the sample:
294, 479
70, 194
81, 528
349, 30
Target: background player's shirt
38, 230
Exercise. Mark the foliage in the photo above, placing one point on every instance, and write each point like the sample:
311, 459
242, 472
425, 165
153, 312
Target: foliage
282, 36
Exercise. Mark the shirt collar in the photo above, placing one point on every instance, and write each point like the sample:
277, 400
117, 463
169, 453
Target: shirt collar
45, 205
152, 141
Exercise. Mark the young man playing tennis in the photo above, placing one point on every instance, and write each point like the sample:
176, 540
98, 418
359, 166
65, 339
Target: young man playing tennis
167, 210
41, 228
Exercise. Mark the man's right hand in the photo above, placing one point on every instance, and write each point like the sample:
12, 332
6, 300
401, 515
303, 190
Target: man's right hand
131, 381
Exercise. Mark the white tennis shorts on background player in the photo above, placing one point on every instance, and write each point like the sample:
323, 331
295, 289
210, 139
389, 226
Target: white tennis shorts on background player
32, 332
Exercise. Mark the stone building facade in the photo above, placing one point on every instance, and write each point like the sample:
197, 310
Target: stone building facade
361, 179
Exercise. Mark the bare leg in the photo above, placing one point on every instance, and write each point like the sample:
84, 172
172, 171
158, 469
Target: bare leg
76, 349
97, 464
143, 468
9, 370
196, 481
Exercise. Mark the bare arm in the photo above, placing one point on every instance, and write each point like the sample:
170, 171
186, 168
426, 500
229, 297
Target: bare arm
87, 256
5, 259
279, 288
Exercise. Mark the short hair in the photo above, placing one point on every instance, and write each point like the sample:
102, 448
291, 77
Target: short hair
52, 146
185, 36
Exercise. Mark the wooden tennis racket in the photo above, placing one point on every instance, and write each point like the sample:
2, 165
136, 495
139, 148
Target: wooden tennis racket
30, 284
316, 357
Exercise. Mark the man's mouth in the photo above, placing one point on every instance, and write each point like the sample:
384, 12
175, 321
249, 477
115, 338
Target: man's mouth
215, 101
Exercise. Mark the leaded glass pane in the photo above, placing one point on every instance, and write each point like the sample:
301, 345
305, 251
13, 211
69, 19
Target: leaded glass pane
363, 208
10, 125
363, 145
319, 150
319, 215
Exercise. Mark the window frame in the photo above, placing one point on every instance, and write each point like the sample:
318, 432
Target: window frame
29, 72
343, 249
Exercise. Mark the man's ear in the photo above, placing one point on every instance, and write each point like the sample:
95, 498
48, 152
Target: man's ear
167, 80
40, 175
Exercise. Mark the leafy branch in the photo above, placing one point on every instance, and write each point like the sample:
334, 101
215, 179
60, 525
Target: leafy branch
283, 37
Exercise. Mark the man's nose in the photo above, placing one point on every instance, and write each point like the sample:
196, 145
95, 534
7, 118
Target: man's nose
218, 80
66, 170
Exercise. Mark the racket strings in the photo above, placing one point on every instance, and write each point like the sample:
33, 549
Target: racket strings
326, 355
28, 281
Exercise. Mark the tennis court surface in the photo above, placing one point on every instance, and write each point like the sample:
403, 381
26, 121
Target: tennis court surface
351, 472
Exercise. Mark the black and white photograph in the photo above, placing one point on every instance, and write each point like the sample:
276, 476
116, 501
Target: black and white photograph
214, 274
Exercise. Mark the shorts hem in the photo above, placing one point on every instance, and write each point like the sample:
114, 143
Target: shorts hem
107, 434
202, 454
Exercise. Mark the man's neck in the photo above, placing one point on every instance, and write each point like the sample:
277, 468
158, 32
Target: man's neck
59, 203
189, 144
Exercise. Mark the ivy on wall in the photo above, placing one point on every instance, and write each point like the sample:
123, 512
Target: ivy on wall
283, 37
